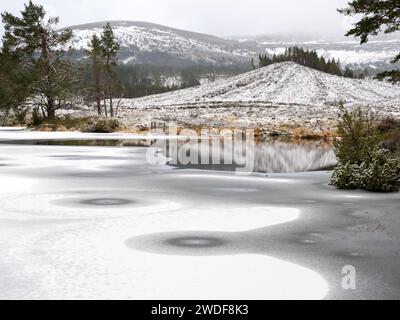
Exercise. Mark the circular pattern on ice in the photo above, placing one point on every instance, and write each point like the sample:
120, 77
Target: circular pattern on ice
196, 242
107, 202
84, 204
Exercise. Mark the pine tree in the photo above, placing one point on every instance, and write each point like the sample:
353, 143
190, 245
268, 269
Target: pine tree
253, 66
110, 48
305, 58
260, 61
335, 68
376, 16
95, 53
35, 43
348, 73
366, 73
15, 83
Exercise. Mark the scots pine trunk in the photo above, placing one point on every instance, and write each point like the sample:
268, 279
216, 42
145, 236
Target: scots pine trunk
98, 91
109, 48
51, 110
50, 105
111, 107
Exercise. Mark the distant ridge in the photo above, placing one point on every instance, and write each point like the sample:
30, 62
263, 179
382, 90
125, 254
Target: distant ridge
155, 44
146, 25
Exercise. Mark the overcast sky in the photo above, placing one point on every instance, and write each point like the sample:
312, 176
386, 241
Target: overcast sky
218, 17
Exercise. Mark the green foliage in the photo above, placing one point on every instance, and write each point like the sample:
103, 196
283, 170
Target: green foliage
376, 16
15, 82
95, 50
347, 176
364, 161
358, 134
348, 73
102, 126
393, 76
305, 58
61, 124
142, 89
143, 80
382, 172
189, 79
34, 42
102, 53
109, 45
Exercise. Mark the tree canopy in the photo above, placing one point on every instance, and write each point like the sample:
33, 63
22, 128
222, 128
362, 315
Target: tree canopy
34, 44
376, 16
305, 58
109, 47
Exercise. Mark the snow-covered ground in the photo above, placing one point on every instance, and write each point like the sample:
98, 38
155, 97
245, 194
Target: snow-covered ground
283, 83
276, 99
100, 222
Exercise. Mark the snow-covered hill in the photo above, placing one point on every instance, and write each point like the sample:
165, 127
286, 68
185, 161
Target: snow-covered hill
147, 43
280, 84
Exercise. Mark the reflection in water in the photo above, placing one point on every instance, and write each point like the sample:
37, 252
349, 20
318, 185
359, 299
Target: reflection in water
274, 156
221, 154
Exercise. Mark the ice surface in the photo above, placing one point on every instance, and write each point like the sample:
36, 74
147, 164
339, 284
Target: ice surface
85, 223
10, 134
3, 129
101, 222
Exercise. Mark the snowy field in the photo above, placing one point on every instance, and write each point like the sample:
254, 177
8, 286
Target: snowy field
100, 222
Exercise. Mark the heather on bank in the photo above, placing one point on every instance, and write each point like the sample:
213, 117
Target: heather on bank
368, 153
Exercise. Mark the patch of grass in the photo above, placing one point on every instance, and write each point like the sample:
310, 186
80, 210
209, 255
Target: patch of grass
101, 126
308, 134
85, 124
62, 124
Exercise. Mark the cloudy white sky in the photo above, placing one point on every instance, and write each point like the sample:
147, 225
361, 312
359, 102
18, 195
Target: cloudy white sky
218, 17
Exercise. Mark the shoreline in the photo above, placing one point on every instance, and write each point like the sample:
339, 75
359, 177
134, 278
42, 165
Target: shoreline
300, 134
286, 120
